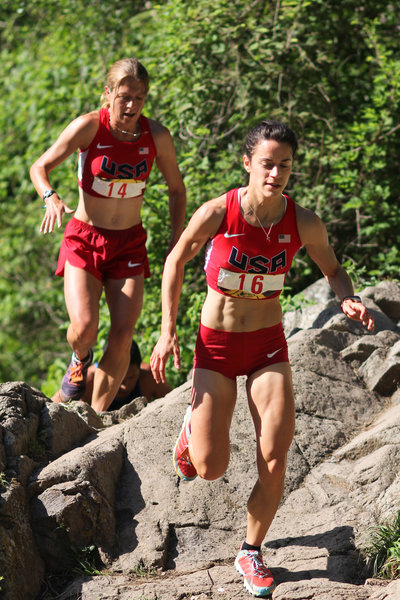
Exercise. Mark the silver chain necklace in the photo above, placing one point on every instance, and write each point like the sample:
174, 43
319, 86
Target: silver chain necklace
124, 131
267, 233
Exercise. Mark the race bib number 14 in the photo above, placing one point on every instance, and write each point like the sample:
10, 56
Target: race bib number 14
118, 188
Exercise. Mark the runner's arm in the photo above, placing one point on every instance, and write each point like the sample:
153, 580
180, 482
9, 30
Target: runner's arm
315, 239
78, 134
201, 227
167, 164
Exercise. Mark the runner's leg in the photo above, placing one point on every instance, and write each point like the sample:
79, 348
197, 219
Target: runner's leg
271, 403
213, 402
124, 298
82, 293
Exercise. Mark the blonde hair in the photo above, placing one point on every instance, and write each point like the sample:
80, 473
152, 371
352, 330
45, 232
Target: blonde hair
126, 68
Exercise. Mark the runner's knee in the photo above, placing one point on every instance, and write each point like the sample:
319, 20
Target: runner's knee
211, 466
272, 470
210, 472
83, 333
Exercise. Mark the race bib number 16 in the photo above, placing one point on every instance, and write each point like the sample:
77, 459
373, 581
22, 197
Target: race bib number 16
250, 284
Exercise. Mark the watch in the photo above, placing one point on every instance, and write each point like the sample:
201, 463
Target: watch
47, 194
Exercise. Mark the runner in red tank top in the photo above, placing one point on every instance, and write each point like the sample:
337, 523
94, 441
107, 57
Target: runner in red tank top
104, 242
252, 236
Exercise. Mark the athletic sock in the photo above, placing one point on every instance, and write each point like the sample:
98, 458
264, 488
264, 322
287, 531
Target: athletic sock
246, 546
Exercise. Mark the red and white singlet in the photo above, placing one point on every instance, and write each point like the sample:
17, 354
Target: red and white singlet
114, 169
241, 262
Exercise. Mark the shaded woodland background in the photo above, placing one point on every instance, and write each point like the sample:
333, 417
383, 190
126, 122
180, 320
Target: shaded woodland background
330, 68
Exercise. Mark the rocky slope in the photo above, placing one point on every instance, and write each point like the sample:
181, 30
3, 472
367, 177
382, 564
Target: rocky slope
74, 481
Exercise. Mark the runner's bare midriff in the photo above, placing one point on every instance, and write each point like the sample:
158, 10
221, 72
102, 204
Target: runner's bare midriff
239, 314
109, 213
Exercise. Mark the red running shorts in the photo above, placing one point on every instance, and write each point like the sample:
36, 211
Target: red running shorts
105, 253
234, 353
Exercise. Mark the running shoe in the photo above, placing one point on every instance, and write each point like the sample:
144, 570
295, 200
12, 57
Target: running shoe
182, 463
258, 579
73, 384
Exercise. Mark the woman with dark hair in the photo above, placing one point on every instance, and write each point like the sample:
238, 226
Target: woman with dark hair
104, 243
252, 235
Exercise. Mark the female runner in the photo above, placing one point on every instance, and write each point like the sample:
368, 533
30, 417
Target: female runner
104, 242
252, 235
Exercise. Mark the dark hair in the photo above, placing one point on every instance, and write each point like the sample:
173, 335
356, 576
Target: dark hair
136, 358
270, 130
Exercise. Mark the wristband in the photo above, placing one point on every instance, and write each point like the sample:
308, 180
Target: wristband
47, 194
353, 298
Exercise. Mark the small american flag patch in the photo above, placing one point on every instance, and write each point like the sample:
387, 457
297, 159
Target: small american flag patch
143, 150
284, 238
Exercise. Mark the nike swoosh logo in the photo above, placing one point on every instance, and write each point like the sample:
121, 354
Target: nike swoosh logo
100, 146
271, 354
229, 235
131, 264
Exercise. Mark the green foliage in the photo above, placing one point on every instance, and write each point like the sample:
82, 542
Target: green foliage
4, 483
384, 550
78, 560
143, 570
87, 560
293, 302
330, 69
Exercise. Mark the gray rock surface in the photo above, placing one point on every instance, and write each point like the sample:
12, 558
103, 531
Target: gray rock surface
76, 480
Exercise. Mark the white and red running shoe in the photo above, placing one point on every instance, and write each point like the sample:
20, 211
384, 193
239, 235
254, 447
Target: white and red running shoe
182, 463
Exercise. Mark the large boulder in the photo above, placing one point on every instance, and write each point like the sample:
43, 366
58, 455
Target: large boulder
73, 484
34, 431
75, 494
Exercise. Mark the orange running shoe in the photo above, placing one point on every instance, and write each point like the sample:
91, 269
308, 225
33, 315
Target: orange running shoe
73, 383
258, 579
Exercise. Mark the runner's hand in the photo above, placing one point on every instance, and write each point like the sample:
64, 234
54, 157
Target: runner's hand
358, 312
165, 346
55, 208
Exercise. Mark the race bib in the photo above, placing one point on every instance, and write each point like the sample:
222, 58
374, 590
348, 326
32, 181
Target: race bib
118, 188
249, 285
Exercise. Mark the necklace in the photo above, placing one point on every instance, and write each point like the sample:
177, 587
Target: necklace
267, 233
134, 134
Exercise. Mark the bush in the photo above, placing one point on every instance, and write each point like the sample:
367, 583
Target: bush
383, 553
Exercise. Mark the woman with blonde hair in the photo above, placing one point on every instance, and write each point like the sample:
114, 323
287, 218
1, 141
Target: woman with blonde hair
104, 242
